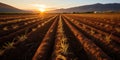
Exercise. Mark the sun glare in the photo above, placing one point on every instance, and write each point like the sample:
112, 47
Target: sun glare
40, 7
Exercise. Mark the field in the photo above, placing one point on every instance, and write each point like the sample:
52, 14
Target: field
60, 37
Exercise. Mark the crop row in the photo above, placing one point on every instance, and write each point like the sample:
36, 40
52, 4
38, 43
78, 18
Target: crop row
93, 50
23, 30
60, 37
30, 40
114, 28
100, 38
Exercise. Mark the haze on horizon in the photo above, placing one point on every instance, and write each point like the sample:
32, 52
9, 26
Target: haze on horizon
52, 4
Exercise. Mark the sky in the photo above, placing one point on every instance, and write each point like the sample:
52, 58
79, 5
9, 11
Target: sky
53, 4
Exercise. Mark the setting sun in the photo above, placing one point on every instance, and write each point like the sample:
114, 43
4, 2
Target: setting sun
41, 9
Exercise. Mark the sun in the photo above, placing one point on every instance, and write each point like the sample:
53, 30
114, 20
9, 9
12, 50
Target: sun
41, 9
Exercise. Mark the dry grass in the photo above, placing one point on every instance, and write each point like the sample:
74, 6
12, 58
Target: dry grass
61, 48
7, 46
108, 38
5, 28
22, 37
15, 26
60, 57
92, 32
34, 29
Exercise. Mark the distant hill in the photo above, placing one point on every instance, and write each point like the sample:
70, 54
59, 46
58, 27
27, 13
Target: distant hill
89, 8
4, 8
